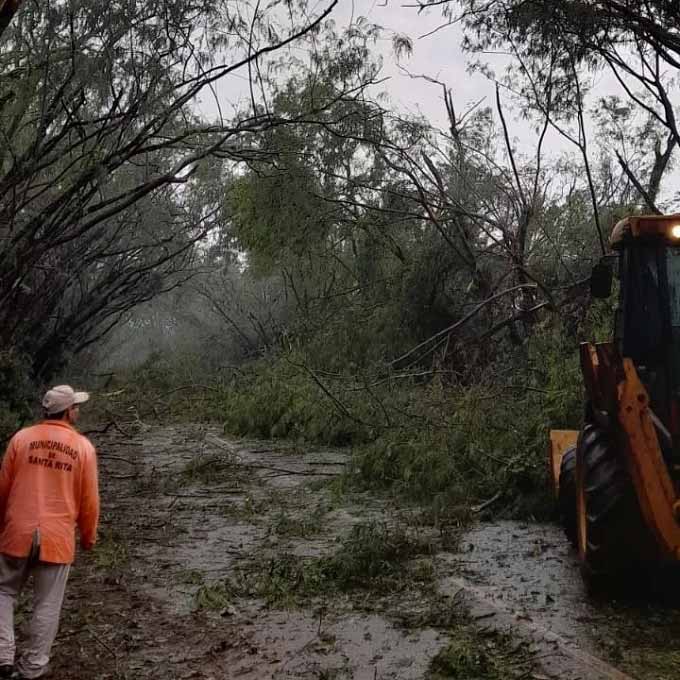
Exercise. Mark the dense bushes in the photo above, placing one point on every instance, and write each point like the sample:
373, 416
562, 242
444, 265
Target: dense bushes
429, 438
451, 441
18, 396
279, 397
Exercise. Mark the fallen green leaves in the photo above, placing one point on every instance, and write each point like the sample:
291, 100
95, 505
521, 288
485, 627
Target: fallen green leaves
375, 557
112, 552
480, 655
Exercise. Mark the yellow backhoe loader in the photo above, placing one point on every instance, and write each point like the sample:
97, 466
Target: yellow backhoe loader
617, 479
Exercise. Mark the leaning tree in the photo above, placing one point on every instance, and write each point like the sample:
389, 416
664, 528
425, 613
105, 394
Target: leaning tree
102, 152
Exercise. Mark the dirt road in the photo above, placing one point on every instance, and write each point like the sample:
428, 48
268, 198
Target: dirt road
223, 559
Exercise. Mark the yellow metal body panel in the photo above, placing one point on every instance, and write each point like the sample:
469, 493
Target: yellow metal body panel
645, 226
560, 442
648, 469
613, 386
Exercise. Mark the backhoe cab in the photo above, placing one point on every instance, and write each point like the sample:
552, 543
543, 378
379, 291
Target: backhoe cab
617, 480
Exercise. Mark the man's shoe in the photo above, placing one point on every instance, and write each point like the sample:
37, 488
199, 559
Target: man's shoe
6, 670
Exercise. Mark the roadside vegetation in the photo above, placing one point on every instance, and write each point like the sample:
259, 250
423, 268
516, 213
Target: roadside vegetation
457, 449
318, 267
475, 655
311, 266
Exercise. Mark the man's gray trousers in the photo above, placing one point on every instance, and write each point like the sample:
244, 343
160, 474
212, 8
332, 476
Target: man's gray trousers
49, 584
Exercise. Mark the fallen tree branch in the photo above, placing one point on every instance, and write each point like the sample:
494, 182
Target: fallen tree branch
106, 428
338, 404
112, 424
636, 183
106, 456
486, 504
254, 466
103, 644
464, 320
303, 473
120, 429
188, 387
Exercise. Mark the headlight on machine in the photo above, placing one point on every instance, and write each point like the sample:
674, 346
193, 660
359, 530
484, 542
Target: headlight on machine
665, 227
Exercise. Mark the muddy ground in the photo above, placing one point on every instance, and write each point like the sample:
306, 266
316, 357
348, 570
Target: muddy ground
238, 559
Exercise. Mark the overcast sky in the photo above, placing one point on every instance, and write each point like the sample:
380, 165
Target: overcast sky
438, 56
437, 53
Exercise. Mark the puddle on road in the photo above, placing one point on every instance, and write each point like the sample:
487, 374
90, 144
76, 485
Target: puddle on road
531, 569
294, 644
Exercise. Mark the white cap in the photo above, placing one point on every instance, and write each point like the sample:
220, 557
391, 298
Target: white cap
61, 397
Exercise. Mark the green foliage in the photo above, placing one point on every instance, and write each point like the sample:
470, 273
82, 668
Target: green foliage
111, 552
18, 392
372, 557
475, 655
376, 556
286, 580
467, 443
304, 526
447, 444
360, 340
215, 596
277, 214
165, 387
279, 399
461, 449
430, 438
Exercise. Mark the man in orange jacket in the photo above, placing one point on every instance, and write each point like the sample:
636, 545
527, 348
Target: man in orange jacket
48, 485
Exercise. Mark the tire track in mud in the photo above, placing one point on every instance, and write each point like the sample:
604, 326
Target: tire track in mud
561, 657
525, 578
185, 509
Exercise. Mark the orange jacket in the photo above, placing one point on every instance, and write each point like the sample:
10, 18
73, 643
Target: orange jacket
48, 481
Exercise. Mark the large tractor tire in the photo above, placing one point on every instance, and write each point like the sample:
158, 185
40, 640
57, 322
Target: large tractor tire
566, 498
617, 542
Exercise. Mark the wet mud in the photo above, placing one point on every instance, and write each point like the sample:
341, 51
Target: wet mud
526, 576
185, 509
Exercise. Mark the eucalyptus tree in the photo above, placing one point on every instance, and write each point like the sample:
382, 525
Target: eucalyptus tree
386, 232
101, 149
303, 211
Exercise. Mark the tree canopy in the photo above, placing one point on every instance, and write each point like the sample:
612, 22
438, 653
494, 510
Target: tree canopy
99, 167
557, 47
